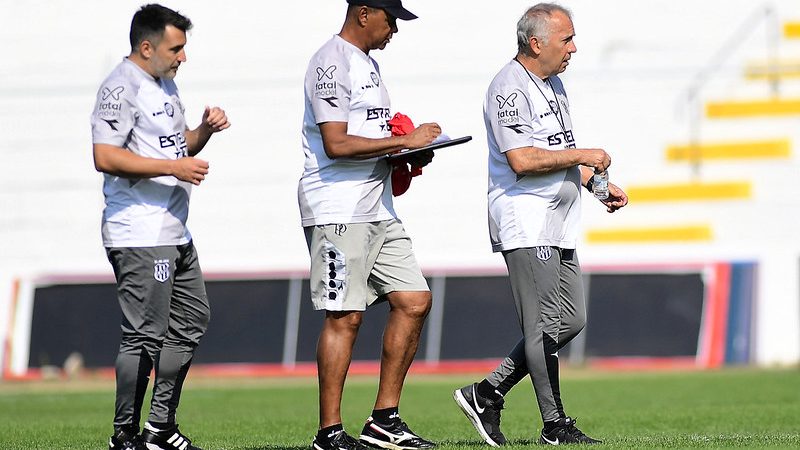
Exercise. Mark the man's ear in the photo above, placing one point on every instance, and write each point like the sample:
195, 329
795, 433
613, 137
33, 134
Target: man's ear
146, 49
535, 44
363, 12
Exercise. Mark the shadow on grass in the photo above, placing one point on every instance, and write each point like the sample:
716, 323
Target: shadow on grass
280, 447
463, 444
473, 444
459, 444
525, 442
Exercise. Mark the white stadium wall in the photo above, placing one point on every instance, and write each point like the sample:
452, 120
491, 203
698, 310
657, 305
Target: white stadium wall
628, 87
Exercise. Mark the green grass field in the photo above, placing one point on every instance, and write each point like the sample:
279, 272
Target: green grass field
725, 409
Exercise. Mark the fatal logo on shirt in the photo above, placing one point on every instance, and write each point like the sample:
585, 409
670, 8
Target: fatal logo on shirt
325, 87
110, 104
507, 112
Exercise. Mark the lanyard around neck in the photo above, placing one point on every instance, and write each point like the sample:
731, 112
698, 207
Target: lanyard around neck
557, 111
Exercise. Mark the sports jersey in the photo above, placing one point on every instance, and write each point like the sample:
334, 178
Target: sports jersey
143, 115
343, 84
529, 210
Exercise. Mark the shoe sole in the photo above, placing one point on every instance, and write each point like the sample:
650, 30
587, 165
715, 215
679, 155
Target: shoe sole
150, 446
372, 442
466, 408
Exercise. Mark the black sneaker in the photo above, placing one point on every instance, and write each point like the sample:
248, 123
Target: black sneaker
566, 433
338, 441
170, 439
396, 436
123, 440
482, 412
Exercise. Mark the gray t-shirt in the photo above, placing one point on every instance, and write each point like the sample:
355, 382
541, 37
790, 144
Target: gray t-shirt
143, 115
532, 210
343, 84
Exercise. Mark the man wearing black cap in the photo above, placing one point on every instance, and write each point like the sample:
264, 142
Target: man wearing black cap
360, 253
393, 7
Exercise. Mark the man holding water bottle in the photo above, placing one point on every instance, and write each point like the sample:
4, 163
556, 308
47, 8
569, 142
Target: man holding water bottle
536, 171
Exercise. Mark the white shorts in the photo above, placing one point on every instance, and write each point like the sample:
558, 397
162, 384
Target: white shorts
355, 264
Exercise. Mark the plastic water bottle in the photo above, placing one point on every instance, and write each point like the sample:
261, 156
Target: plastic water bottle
600, 185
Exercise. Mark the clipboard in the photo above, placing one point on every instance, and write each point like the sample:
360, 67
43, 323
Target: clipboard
448, 143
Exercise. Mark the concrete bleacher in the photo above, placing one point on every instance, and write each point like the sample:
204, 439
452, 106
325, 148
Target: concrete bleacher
731, 196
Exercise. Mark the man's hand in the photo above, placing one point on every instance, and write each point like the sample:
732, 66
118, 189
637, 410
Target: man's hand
189, 169
616, 198
596, 158
214, 119
423, 135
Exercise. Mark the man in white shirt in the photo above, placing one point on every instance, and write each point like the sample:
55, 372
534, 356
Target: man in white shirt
360, 253
146, 152
536, 171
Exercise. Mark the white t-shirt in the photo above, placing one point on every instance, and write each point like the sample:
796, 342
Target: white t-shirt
530, 210
136, 112
343, 84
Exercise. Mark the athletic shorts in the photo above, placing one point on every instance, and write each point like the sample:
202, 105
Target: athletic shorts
355, 264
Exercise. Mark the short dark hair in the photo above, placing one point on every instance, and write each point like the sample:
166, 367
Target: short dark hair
151, 20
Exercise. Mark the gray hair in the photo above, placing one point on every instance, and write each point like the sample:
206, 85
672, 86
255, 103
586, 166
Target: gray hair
536, 22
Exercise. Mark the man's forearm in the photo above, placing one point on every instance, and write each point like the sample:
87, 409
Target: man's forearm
534, 161
120, 162
349, 146
197, 139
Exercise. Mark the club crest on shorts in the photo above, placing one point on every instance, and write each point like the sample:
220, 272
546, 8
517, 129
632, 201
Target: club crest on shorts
544, 253
161, 270
340, 229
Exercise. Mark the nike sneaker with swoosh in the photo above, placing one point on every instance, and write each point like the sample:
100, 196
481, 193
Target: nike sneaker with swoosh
484, 413
396, 436
565, 432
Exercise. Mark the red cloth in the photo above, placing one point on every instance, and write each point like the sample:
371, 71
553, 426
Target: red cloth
401, 174
401, 125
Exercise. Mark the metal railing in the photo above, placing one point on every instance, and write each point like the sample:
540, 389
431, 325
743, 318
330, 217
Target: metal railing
763, 14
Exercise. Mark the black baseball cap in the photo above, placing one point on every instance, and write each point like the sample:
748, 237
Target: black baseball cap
393, 7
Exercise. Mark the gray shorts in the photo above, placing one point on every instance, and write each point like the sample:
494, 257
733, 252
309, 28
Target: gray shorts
355, 264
